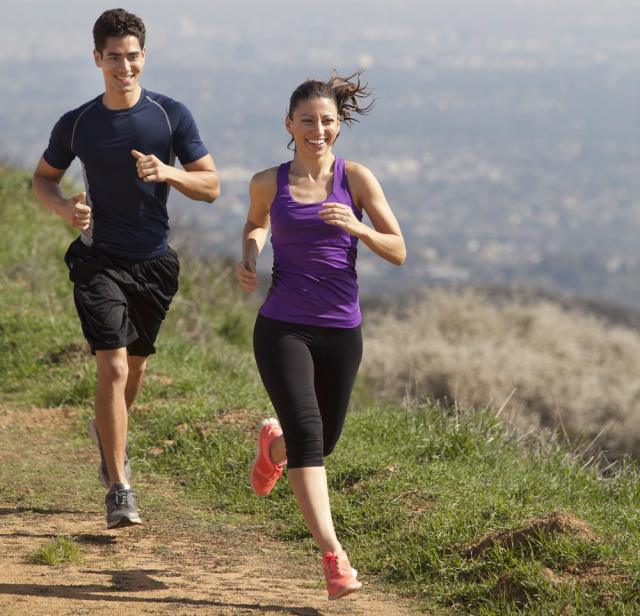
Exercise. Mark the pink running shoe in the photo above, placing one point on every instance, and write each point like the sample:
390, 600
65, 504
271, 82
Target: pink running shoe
341, 578
264, 471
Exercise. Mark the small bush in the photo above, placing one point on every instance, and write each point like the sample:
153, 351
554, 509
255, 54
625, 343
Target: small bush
58, 551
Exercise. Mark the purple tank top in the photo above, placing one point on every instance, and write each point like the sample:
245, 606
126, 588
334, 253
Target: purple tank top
314, 279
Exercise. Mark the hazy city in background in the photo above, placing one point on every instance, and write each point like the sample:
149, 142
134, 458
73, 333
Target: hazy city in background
506, 134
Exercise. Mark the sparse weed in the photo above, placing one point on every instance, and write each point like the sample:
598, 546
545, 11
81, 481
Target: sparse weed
118, 563
61, 550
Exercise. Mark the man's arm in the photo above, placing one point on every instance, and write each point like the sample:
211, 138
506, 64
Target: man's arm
198, 181
46, 186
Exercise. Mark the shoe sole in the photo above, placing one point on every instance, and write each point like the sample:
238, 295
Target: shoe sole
124, 521
258, 431
256, 442
346, 591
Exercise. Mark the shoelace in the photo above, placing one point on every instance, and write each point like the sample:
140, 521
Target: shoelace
333, 564
121, 497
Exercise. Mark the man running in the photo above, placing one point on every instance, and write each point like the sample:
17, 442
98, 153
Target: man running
123, 270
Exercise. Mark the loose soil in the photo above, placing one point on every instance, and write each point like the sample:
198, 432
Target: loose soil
557, 522
172, 565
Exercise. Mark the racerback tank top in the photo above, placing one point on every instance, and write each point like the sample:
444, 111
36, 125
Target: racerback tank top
314, 280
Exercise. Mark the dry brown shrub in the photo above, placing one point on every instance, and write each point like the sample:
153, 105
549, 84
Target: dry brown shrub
565, 368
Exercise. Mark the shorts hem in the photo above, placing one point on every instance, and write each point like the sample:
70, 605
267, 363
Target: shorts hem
103, 346
305, 464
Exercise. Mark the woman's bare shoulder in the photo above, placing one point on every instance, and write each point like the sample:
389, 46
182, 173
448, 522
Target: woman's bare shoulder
264, 186
265, 179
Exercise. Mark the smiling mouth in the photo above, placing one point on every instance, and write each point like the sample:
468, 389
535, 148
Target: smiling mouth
317, 141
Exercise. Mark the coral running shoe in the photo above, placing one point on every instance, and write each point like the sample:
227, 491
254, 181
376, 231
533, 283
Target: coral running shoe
264, 471
341, 578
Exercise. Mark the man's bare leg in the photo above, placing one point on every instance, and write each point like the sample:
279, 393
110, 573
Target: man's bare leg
108, 401
111, 410
119, 382
137, 367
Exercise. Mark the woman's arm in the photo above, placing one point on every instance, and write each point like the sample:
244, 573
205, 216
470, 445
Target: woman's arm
254, 235
385, 239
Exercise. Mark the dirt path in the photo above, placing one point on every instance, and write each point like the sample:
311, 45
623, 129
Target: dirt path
168, 566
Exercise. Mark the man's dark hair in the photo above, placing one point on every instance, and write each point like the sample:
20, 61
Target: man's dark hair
117, 23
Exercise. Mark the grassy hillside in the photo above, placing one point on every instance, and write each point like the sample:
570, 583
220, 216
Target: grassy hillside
443, 503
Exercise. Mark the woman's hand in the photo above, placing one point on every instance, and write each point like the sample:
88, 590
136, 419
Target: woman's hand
246, 275
342, 216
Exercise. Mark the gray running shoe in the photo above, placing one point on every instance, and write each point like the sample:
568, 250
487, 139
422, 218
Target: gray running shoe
103, 471
121, 507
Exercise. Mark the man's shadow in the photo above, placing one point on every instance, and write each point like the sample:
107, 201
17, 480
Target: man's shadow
39, 510
132, 580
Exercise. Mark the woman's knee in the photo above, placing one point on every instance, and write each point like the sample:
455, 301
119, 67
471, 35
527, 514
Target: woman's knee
328, 448
302, 458
304, 444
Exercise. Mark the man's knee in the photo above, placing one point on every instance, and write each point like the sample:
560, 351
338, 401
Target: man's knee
112, 366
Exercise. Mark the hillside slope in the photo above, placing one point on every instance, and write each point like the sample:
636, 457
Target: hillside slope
440, 503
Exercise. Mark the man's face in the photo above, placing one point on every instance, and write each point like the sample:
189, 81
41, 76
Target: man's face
121, 62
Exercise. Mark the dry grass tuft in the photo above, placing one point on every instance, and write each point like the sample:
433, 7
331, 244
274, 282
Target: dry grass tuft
567, 370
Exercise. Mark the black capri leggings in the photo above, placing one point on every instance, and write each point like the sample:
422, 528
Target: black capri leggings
309, 373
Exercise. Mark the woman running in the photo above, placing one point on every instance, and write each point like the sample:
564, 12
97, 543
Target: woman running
307, 336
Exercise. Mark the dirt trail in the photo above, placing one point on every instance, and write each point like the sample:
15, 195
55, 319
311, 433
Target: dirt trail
164, 567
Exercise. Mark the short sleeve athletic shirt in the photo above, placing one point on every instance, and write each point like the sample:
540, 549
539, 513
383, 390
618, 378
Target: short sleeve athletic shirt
129, 216
314, 279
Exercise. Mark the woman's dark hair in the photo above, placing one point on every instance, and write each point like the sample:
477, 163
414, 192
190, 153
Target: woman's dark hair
117, 23
346, 92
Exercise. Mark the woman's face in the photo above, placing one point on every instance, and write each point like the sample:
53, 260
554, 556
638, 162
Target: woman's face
314, 126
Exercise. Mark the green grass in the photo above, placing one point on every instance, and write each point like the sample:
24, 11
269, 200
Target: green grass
415, 487
58, 551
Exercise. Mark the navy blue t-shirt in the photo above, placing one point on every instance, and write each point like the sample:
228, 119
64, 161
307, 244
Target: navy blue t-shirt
129, 216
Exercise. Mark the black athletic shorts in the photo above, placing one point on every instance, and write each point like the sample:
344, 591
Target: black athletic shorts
121, 303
